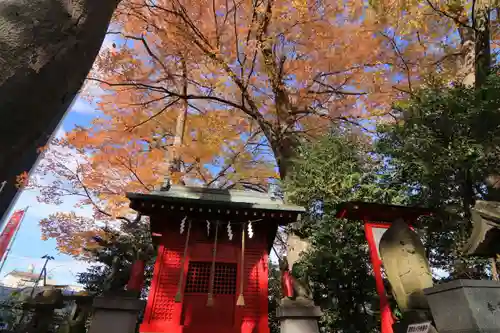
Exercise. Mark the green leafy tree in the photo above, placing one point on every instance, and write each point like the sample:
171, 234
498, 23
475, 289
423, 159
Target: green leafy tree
335, 169
274, 296
444, 149
10, 310
123, 244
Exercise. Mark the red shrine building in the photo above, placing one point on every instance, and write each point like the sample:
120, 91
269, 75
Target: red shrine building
211, 272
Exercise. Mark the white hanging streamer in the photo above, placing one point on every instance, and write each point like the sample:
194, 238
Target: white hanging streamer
229, 231
250, 230
183, 224
208, 228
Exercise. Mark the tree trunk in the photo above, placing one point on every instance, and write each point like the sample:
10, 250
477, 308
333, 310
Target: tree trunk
482, 70
475, 68
284, 149
476, 65
47, 48
173, 157
180, 126
466, 73
482, 42
475, 46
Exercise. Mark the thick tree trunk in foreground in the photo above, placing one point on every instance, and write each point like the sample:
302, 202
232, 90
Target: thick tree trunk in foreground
47, 48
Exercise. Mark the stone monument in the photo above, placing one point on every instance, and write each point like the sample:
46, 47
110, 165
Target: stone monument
115, 313
76, 322
406, 266
117, 310
465, 306
468, 306
472, 306
297, 312
408, 272
295, 247
485, 236
43, 306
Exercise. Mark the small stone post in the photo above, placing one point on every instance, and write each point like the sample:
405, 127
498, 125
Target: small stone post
115, 314
296, 316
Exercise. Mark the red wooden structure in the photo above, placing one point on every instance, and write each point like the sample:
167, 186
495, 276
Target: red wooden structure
205, 278
377, 219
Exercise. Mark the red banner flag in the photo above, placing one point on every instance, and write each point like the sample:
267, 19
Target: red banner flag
10, 230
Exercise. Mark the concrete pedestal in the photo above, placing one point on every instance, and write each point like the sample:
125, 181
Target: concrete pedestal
466, 306
115, 314
298, 317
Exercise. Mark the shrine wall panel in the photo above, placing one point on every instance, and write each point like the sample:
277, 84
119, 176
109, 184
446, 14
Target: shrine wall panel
164, 315
253, 315
167, 279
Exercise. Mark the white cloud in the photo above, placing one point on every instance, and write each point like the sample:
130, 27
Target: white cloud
70, 157
80, 105
60, 132
60, 157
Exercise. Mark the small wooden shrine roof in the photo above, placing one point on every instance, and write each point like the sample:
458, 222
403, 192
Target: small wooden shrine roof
373, 212
216, 204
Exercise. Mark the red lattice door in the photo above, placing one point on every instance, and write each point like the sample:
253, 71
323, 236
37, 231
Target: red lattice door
195, 311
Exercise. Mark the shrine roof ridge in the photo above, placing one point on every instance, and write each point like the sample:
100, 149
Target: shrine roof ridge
244, 199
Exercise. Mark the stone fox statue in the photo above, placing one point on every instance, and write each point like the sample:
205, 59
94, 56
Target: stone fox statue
292, 288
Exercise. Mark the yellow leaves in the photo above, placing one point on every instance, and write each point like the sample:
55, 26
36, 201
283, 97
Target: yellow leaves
457, 7
176, 177
300, 6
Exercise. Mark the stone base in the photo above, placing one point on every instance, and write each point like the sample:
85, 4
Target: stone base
115, 314
466, 306
298, 316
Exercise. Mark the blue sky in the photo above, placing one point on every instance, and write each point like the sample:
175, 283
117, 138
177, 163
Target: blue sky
28, 247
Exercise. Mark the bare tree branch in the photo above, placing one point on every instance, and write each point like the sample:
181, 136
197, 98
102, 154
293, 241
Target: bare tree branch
130, 129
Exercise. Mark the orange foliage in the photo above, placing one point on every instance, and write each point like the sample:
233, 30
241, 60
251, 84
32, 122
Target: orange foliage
282, 68
101, 163
287, 67
258, 77
72, 232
